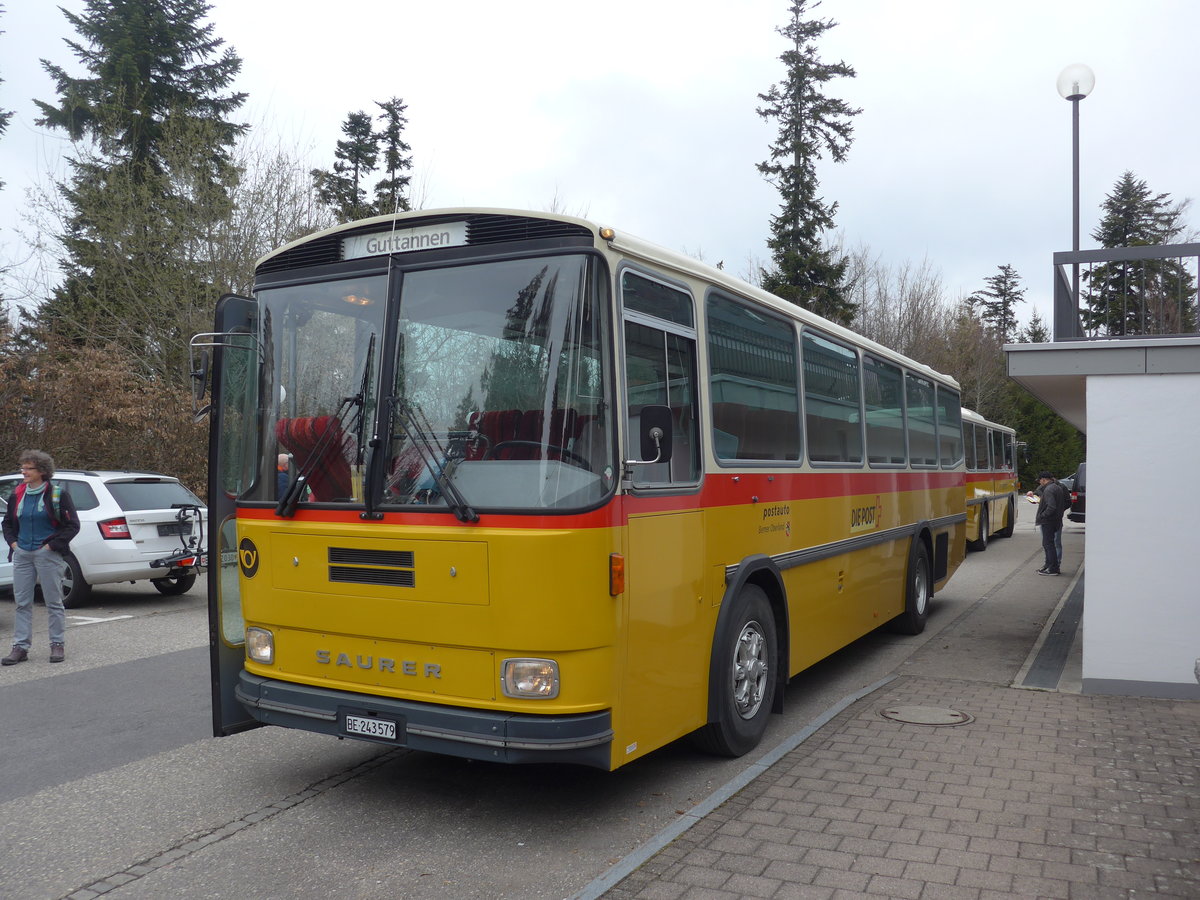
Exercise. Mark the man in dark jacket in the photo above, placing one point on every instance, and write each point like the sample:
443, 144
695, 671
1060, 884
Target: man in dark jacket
1053, 506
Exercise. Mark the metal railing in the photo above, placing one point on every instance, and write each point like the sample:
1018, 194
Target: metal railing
1127, 292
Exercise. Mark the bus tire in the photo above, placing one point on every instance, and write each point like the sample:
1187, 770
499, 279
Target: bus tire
1010, 520
917, 594
746, 654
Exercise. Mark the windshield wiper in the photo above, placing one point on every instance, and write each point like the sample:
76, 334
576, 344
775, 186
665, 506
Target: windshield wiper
434, 456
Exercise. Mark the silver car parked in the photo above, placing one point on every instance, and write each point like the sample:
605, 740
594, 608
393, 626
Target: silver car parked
5, 565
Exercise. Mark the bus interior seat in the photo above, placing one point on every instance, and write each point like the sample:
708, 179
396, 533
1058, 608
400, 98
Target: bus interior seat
528, 427
328, 475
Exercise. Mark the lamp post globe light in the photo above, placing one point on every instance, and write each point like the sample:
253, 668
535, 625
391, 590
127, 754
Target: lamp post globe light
1075, 82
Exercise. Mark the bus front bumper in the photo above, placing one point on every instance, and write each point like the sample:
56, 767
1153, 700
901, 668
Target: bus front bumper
453, 731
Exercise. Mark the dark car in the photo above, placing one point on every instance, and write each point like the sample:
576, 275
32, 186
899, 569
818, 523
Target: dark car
1078, 491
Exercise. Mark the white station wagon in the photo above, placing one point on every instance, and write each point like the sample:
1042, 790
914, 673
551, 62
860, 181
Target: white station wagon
127, 522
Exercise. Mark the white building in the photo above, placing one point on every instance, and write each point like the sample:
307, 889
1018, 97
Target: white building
1138, 401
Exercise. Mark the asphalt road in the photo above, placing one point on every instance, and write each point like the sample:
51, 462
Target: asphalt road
111, 782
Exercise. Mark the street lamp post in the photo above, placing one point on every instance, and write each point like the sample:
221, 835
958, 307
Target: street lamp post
1075, 82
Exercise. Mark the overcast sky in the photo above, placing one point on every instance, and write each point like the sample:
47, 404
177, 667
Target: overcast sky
641, 113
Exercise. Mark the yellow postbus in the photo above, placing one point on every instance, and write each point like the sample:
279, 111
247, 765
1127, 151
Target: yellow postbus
992, 486
512, 486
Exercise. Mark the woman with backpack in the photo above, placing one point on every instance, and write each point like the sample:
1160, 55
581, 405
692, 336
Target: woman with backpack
38, 524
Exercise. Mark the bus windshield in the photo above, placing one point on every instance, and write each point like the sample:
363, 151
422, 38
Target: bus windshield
321, 346
500, 396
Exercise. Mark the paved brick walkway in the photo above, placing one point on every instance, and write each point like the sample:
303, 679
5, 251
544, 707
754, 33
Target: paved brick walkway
1042, 795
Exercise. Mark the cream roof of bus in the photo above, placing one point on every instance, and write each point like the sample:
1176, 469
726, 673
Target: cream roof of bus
647, 251
447, 213
969, 415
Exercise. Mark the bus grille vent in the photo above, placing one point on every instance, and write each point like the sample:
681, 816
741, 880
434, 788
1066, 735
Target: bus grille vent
387, 577
354, 556
498, 229
315, 253
353, 565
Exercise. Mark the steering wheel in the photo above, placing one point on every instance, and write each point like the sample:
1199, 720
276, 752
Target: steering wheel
563, 453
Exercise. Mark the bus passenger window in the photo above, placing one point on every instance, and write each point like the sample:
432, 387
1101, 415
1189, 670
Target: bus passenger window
950, 439
832, 410
883, 395
755, 398
981, 449
660, 369
922, 426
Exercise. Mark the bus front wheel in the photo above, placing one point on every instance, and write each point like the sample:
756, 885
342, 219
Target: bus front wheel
745, 656
918, 593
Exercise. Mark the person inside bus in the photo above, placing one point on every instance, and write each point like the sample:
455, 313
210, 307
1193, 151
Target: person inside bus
39, 522
281, 474
1051, 509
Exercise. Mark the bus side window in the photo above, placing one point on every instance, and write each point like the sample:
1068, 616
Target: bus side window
832, 401
753, 382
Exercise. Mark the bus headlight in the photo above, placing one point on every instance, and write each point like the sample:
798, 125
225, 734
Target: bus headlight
260, 645
535, 679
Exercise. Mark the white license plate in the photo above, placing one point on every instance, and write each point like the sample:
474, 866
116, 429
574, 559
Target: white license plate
376, 728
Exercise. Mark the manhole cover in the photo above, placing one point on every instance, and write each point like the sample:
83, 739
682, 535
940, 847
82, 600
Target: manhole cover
926, 715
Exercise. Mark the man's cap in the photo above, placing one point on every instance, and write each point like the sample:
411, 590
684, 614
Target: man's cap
1045, 475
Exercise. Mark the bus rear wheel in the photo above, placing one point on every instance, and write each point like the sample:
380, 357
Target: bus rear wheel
918, 593
746, 654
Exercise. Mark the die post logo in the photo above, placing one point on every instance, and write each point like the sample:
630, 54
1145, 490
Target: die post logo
866, 518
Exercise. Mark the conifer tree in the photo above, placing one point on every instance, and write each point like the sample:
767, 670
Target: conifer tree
1155, 296
150, 171
341, 188
391, 191
149, 62
997, 302
810, 124
1036, 332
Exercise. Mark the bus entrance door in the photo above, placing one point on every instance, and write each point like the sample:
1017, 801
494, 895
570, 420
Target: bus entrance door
232, 468
665, 587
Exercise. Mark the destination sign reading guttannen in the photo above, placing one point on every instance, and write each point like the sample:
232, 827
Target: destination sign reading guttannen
405, 240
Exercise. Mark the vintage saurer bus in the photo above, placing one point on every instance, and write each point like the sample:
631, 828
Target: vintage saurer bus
551, 493
992, 486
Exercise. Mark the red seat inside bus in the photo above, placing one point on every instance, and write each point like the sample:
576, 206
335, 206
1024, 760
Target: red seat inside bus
527, 429
327, 468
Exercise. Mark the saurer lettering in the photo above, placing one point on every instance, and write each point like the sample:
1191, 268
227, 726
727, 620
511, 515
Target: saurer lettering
382, 664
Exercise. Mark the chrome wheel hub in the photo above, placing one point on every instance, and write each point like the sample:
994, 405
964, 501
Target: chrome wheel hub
751, 668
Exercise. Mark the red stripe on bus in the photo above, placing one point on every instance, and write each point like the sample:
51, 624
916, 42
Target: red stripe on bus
719, 490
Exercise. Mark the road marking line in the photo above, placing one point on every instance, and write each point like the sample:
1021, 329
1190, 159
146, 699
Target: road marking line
95, 620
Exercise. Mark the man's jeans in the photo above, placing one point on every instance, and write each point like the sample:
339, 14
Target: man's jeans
1051, 546
31, 567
